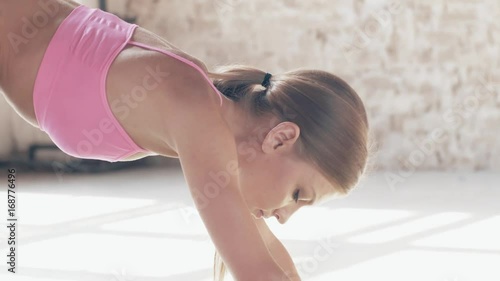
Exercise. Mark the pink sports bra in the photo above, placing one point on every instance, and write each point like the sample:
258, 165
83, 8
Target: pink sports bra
69, 94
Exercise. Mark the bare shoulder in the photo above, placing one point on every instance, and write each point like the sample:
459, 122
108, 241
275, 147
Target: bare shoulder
195, 105
154, 90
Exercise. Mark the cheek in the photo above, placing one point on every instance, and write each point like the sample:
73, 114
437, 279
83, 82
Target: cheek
258, 186
273, 191
251, 185
284, 185
265, 185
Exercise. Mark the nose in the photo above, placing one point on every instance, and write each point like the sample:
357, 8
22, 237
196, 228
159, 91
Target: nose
284, 214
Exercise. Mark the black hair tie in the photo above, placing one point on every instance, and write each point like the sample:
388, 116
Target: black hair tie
266, 81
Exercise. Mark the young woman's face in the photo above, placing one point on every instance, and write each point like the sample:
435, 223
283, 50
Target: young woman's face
275, 182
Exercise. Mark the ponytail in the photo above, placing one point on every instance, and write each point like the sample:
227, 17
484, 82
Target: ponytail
243, 84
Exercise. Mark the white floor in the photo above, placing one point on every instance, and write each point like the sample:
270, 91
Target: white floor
141, 225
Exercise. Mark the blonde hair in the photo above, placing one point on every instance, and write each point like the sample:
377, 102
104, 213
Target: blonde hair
332, 119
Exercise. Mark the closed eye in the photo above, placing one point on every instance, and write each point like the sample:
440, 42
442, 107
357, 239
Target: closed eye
296, 195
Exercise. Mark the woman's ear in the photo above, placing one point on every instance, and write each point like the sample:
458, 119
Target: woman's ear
282, 137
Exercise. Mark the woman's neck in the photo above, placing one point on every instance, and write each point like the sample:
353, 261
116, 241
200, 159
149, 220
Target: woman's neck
246, 129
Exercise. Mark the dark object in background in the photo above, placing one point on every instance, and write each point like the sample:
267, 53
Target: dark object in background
70, 165
103, 5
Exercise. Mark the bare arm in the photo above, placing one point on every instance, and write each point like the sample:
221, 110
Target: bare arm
278, 251
207, 152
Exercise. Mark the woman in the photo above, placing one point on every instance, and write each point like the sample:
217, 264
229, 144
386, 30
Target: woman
251, 145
